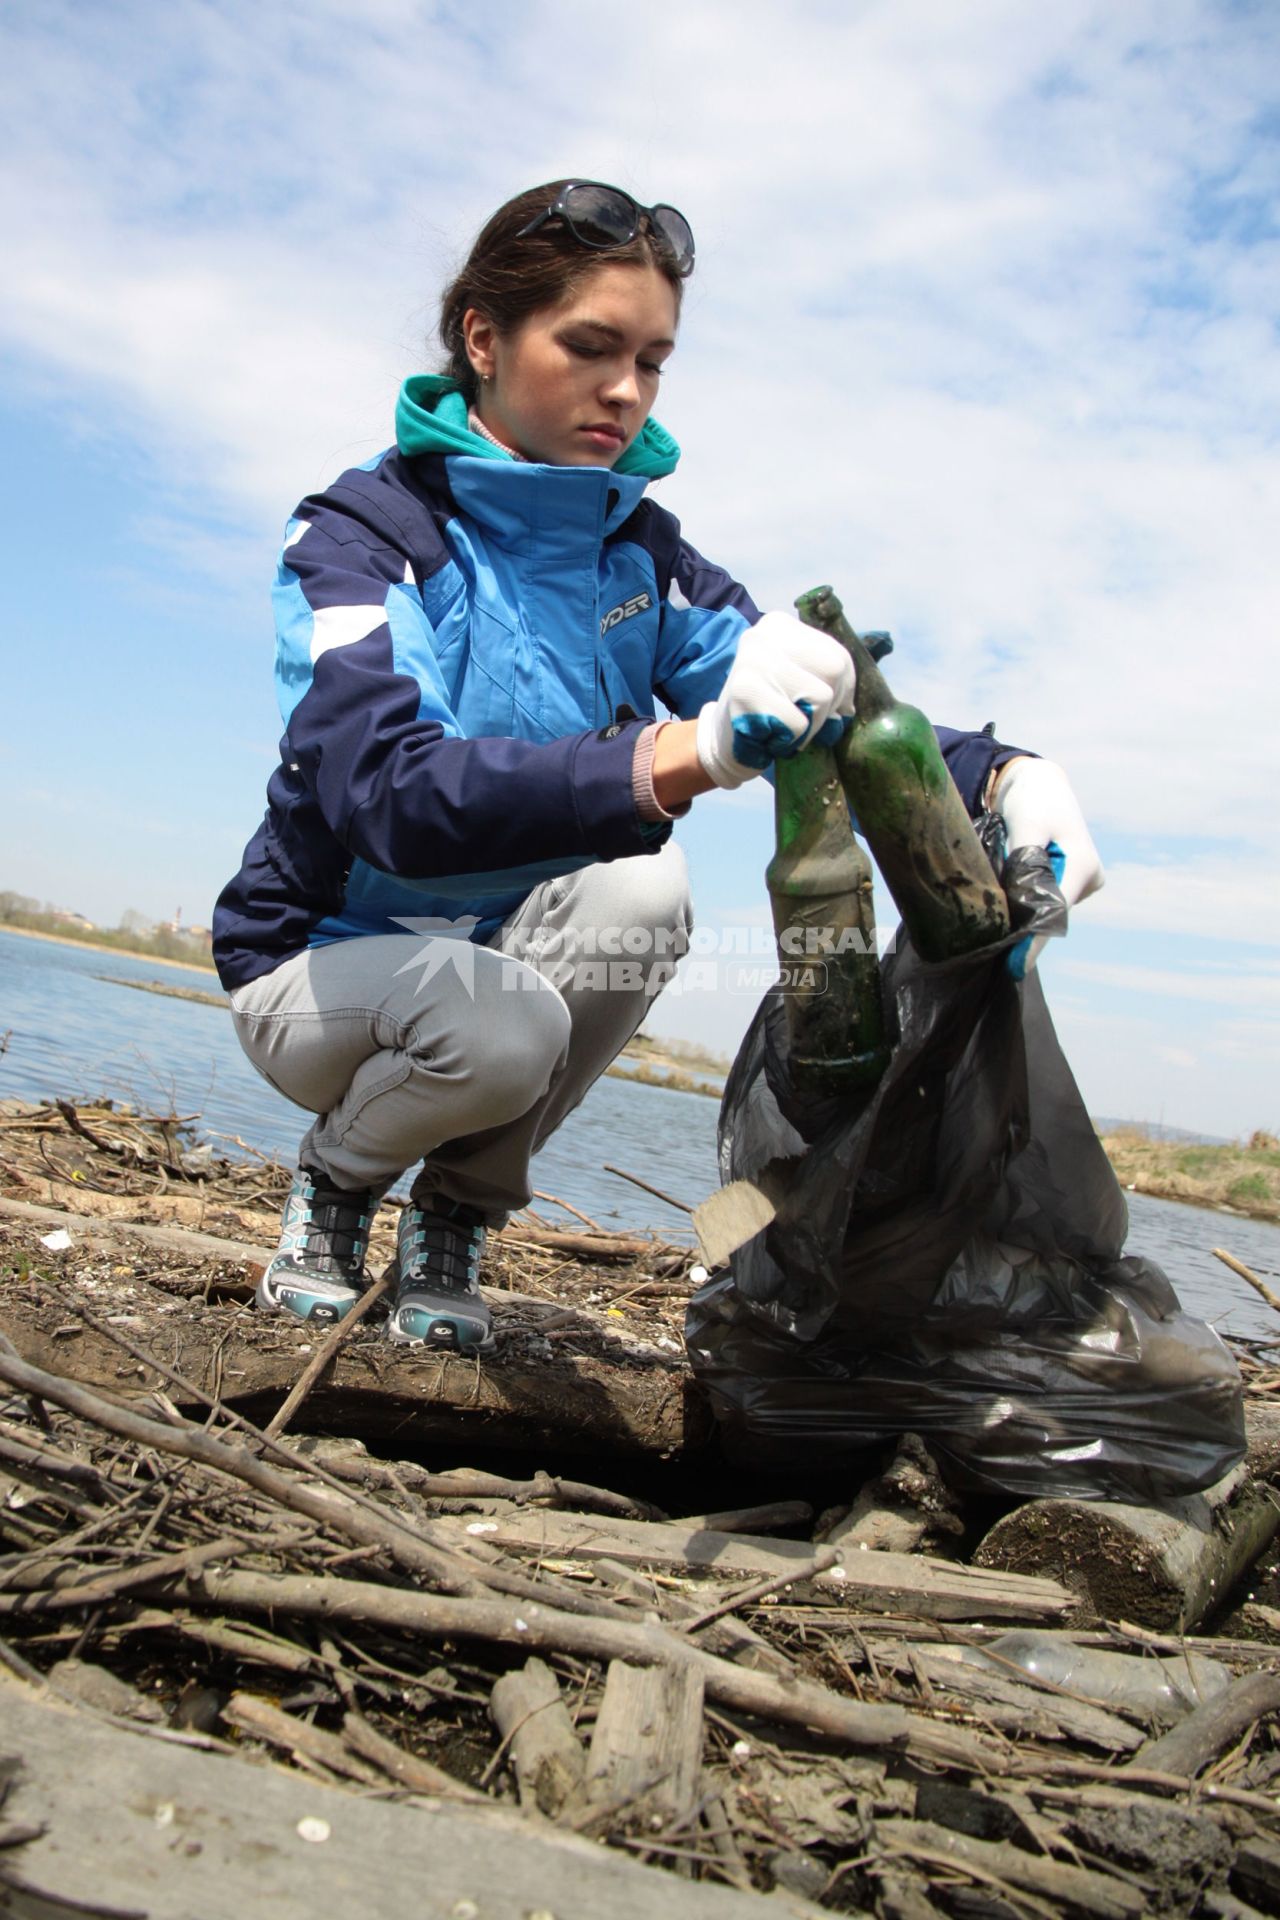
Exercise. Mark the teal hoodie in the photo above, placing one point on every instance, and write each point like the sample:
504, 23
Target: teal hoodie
431, 417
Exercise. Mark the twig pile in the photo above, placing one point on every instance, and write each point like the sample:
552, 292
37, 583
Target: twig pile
706, 1697
371, 1621
152, 1167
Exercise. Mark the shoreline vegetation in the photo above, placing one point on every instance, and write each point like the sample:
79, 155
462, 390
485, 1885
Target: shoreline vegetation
1237, 1178
129, 946
1241, 1179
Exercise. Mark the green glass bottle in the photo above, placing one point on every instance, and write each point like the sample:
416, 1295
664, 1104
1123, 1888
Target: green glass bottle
819, 883
908, 807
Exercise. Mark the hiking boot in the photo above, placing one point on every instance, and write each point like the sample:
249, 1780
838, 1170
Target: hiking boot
436, 1300
317, 1271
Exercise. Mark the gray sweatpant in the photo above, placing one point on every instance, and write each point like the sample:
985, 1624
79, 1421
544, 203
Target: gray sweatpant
424, 1046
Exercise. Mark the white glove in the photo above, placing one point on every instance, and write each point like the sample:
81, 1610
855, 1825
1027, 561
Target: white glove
790, 685
1035, 801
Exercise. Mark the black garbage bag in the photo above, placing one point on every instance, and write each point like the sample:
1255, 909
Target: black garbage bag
947, 1258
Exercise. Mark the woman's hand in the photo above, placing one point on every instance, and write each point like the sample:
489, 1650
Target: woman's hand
1035, 801
789, 685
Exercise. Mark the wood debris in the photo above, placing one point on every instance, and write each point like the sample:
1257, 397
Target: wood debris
383, 1630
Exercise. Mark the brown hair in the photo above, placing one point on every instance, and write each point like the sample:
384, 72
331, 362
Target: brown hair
508, 278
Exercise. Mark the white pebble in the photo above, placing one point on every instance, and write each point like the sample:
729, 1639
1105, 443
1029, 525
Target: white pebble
313, 1829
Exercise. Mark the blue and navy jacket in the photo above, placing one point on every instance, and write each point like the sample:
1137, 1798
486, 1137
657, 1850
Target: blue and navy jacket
467, 646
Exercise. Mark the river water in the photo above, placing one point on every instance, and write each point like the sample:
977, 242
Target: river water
75, 1034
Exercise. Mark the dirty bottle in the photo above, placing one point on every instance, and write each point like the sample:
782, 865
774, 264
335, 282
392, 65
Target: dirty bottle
820, 889
909, 809
1163, 1690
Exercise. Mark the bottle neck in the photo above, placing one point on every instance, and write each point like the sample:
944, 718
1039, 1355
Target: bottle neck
822, 608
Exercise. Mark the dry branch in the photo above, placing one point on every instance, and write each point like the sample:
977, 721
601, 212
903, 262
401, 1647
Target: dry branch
800, 1703
1070, 1890
323, 1355
409, 1770
1247, 1273
451, 1570
1190, 1746
254, 1715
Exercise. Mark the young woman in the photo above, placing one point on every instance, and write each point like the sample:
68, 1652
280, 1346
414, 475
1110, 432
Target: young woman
474, 801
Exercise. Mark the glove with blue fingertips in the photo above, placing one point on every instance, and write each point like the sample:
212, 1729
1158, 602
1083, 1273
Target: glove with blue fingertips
790, 686
1039, 809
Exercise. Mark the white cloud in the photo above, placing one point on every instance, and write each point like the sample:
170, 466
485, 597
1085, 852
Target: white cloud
1203, 900
982, 331
1251, 990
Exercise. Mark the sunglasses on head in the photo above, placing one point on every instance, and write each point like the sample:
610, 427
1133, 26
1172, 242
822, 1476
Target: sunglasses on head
604, 217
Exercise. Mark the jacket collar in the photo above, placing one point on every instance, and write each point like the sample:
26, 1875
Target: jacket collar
561, 508
431, 417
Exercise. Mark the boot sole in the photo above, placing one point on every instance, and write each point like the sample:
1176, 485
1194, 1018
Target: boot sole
318, 1308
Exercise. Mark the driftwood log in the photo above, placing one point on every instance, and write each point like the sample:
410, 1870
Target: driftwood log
592, 1387
646, 1751
894, 1512
1164, 1567
546, 1755
587, 1246
139, 1827
879, 1582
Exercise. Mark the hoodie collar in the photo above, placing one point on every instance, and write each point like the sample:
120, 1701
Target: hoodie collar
431, 417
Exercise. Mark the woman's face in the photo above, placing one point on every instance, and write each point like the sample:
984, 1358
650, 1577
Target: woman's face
573, 385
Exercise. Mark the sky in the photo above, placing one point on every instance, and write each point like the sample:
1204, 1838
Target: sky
983, 332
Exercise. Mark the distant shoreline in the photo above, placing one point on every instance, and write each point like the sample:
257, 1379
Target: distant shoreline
1232, 1179
1222, 1177
102, 946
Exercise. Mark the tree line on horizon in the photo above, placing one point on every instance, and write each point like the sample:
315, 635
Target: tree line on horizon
135, 931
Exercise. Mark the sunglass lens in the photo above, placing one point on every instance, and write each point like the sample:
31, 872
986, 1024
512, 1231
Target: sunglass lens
600, 216
677, 233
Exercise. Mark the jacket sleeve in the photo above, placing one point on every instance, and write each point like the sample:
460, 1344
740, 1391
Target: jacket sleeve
370, 732
703, 617
970, 759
